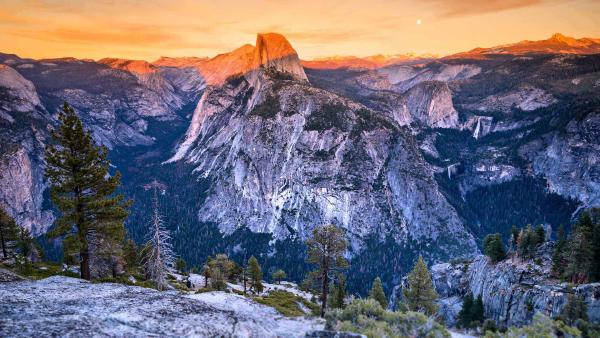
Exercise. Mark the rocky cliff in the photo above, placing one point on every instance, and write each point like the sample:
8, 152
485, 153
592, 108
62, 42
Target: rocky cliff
512, 290
23, 121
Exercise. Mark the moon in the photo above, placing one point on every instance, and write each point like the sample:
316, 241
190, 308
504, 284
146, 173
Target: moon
418, 21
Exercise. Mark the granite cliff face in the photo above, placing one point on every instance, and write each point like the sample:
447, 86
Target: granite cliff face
23, 121
284, 157
512, 290
571, 160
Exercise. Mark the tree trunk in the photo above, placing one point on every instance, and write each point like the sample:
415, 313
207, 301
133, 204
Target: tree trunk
325, 289
85, 264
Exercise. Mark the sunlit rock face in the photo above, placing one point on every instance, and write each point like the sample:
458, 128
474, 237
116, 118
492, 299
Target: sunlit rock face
284, 157
272, 51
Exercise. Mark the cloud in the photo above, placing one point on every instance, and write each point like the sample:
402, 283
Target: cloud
456, 8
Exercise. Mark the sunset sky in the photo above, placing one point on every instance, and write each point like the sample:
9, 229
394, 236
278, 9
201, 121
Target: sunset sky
152, 28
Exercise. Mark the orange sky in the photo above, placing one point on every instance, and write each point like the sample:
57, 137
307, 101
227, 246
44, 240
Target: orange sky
152, 28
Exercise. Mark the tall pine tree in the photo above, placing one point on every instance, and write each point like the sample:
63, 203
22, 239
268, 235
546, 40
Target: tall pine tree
464, 316
558, 256
256, 275
338, 293
580, 253
9, 231
378, 294
595, 266
326, 249
82, 189
420, 295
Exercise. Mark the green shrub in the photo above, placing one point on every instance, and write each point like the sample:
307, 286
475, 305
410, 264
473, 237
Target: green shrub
287, 303
541, 327
366, 316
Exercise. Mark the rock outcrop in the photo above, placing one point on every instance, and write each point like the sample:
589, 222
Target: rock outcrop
63, 306
570, 160
23, 95
512, 290
430, 103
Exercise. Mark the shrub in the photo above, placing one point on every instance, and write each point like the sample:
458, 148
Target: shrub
542, 326
366, 316
287, 303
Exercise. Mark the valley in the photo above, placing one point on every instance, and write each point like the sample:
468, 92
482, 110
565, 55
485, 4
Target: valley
248, 152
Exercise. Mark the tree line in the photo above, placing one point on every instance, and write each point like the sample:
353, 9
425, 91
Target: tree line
575, 258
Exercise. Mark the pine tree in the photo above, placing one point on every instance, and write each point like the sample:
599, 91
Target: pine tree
514, 237
527, 242
464, 316
338, 293
159, 257
540, 235
26, 245
180, 265
595, 246
131, 254
579, 260
326, 249
477, 311
420, 294
255, 275
493, 247
558, 256
278, 276
378, 294
575, 309
217, 279
81, 188
206, 274
9, 231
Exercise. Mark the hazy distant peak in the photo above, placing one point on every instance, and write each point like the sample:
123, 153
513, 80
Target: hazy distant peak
556, 44
133, 66
366, 62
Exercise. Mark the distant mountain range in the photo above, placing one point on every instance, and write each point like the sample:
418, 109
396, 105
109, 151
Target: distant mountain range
254, 148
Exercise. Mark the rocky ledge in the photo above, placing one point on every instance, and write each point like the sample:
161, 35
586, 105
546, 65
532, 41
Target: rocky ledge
512, 290
63, 306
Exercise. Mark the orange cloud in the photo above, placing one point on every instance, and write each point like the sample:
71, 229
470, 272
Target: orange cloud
471, 7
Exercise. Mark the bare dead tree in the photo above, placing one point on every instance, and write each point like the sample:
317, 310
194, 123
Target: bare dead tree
159, 258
